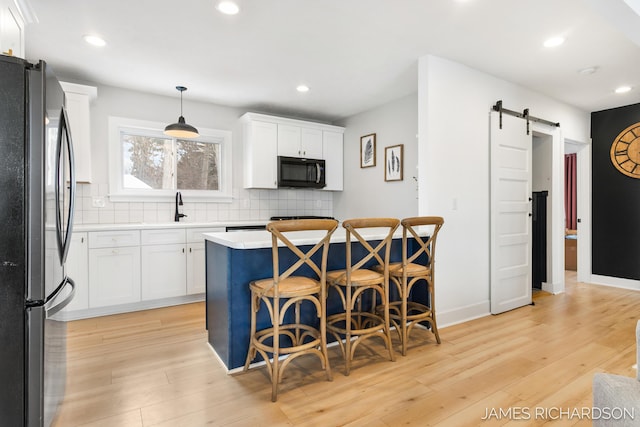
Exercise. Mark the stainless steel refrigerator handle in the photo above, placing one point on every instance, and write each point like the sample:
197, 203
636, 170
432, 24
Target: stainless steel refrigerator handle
50, 311
64, 241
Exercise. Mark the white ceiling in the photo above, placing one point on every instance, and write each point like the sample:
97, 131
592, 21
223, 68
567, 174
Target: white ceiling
353, 54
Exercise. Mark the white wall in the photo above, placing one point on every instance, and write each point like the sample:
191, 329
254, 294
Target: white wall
247, 204
454, 102
366, 194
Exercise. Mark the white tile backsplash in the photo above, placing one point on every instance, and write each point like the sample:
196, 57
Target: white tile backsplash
246, 205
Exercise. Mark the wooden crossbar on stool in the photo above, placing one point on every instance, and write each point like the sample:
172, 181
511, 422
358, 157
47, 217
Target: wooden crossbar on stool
405, 313
356, 323
292, 289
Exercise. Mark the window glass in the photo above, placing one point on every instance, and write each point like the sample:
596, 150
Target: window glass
147, 165
147, 162
198, 165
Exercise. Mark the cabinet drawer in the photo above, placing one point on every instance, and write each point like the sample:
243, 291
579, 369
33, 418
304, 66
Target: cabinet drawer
163, 236
194, 235
114, 239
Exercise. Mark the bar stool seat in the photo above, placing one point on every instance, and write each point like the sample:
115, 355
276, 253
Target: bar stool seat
361, 277
287, 288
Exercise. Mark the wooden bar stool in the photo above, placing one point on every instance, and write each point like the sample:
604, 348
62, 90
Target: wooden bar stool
359, 321
284, 291
417, 268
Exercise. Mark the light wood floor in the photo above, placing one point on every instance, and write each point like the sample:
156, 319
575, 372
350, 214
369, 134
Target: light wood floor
155, 368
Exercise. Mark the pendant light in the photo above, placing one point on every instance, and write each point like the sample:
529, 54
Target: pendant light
181, 129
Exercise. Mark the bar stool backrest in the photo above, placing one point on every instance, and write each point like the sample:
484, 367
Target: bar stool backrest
352, 226
428, 246
277, 230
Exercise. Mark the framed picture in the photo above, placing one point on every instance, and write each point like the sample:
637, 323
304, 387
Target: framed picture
393, 162
368, 150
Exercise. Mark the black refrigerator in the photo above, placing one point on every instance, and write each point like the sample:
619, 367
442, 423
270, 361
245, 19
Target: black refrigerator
37, 193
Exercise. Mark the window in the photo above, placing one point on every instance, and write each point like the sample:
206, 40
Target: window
147, 165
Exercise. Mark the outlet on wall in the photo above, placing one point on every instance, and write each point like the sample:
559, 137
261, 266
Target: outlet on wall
97, 202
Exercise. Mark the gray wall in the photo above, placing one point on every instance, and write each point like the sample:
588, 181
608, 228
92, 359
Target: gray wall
366, 194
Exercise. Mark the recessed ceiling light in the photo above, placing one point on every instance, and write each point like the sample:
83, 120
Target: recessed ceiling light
302, 88
228, 7
95, 40
554, 41
623, 89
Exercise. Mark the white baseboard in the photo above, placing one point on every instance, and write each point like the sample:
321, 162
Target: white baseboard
463, 314
615, 282
126, 308
553, 288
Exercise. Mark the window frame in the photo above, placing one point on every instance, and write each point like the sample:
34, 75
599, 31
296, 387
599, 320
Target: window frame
117, 193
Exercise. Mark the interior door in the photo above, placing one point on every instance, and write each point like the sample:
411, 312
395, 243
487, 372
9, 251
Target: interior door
511, 177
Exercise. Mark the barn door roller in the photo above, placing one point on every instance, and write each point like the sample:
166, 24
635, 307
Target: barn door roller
524, 115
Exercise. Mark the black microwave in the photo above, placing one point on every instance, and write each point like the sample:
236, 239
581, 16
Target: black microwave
300, 173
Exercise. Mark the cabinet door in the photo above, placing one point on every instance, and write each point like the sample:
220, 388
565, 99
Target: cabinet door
11, 30
77, 105
311, 143
196, 277
260, 154
114, 276
163, 271
333, 156
289, 138
77, 268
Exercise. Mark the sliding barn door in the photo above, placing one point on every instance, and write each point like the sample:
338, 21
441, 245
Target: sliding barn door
511, 163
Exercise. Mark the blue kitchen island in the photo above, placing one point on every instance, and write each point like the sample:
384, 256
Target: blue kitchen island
235, 259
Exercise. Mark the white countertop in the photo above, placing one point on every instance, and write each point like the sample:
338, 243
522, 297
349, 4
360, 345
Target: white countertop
165, 225
262, 238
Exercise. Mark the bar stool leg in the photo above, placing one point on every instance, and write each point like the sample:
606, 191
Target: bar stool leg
387, 323
432, 295
251, 353
275, 365
347, 326
403, 313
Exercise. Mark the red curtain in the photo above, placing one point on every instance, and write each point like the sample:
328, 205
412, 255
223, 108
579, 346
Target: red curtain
570, 206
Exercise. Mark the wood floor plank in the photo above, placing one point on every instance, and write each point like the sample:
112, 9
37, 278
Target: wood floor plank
155, 368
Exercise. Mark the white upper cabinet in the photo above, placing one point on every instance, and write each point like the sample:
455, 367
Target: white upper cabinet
296, 141
332, 143
260, 143
11, 30
77, 102
267, 137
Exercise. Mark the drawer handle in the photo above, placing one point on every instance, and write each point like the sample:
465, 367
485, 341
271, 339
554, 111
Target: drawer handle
115, 251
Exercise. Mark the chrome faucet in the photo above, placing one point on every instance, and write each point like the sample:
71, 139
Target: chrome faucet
178, 215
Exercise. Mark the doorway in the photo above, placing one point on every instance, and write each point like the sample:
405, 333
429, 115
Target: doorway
580, 236
541, 186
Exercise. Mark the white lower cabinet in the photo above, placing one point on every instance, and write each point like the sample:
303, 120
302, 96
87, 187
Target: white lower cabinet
114, 268
196, 264
77, 268
114, 276
196, 259
164, 267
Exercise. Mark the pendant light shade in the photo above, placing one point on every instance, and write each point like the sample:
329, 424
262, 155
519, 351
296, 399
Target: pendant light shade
181, 129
